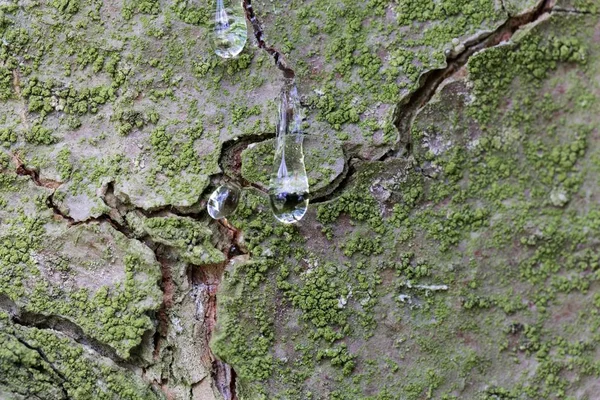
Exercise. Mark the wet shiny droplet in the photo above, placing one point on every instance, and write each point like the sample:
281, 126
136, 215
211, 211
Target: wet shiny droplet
288, 187
230, 31
223, 201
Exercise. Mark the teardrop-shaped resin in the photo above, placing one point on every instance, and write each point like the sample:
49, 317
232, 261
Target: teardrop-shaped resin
230, 31
223, 201
288, 187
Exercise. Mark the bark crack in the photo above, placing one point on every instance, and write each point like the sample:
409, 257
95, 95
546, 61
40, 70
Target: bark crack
409, 107
225, 382
60, 324
407, 110
43, 356
280, 61
205, 281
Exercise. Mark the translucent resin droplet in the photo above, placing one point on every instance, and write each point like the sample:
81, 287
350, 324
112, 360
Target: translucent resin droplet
288, 187
230, 33
223, 201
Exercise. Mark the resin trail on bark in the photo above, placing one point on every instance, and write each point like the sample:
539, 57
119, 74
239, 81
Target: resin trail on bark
288, 187
230, 31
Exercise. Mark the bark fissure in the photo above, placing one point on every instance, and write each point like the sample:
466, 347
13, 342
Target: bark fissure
280, 61
208, 278
222, 374
410, 106
62, 325
168, 288
43, 356
23, 170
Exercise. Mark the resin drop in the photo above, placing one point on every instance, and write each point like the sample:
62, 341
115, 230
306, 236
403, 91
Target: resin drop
223, 201
231, 32
288, 187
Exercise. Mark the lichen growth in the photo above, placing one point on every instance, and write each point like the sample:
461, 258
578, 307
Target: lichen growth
189, 237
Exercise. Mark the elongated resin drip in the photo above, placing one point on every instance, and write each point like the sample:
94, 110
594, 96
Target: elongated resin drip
231, 31
223, 201
288, 187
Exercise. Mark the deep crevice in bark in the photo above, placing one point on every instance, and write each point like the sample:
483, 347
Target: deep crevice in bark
206, 279
23, 170
223, 375
61, 376
230, 160
342, 184
168, 288
409, 107
63, 325
280, 61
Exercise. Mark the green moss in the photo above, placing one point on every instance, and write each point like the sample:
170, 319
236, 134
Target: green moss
319, 295
46, 97
144, 7
364, 245
7, 137
128, 120
530, 59
197, 14
39, 134
66, 6
242, 113
332, 110
176, 152
359, 206
44, 364
64, 163
6, 79
339, 356
189, 237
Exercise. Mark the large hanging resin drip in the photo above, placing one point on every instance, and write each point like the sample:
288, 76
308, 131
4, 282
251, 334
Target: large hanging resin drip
288, 188
231, 32
223, 201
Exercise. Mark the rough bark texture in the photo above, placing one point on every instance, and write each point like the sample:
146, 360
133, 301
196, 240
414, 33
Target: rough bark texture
451, 246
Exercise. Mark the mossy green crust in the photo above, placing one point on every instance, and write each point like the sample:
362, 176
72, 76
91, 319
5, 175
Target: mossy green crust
45, 365
189, 237
45, 272
467, 270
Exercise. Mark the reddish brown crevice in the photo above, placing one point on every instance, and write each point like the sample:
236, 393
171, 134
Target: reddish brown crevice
207, 279
168, 288
230, 160
23, 170
280, 62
